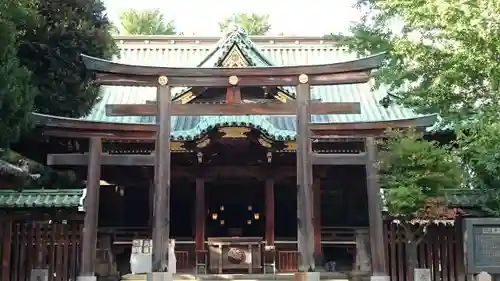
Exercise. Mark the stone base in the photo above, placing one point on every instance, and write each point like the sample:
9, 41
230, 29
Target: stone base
86, 278
306, 276
380, 278
160, 276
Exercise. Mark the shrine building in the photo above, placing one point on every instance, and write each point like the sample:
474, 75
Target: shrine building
233, 175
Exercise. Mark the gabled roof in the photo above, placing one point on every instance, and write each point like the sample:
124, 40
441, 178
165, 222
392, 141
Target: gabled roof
234, 50
236, 40
178, 52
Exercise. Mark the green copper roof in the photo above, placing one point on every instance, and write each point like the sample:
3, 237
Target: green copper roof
236, 39
169, 52
41, 198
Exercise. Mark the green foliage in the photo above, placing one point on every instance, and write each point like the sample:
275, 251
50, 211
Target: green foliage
480, 151
254, 24
146, 22
16, 92
416, 173
443, 55
50, 47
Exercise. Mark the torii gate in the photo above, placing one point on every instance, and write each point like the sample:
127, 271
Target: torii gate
302, 77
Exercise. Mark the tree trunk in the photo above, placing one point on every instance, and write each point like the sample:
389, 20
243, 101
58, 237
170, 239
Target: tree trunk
411, 256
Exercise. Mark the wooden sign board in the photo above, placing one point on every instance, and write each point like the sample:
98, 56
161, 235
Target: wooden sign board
482, 245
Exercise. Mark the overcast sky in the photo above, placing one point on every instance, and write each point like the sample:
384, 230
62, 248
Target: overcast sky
201, 17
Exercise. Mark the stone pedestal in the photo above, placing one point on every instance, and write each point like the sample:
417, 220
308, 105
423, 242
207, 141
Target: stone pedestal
363, 256
483, 276
86, 278
380, 278
160, 276
306, 276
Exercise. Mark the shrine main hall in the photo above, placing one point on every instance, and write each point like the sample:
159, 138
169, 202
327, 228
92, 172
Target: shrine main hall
234, 173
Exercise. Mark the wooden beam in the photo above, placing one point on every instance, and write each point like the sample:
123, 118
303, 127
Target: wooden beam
305, 235
234, 109
106, 66
79, 159
111, 79
161, 222
89, 240
417, 122
82, 159
339, 159
377, 244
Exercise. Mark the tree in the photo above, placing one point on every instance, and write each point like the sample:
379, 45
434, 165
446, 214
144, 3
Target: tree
51, 46
146, 22
442, 57
16, 91
479, 146
416, 174
254, 24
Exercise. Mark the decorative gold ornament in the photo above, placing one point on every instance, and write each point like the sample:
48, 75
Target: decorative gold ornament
187, 97
163, 80
281, 96
233, 80
291, 145
235, 59
303, 78
235, 132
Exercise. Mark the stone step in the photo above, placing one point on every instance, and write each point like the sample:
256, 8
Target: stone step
238, 277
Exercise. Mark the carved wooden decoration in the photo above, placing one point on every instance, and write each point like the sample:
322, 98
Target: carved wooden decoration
265, 143
235, 59
187, 97
291, 145
234, 132
203, 142
281, 96
177, 146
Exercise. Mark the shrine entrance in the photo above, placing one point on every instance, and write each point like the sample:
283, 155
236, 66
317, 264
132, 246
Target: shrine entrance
235, 208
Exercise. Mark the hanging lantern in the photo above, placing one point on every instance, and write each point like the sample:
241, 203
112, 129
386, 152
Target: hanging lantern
222, 222
249, 221
256, 216
214, 216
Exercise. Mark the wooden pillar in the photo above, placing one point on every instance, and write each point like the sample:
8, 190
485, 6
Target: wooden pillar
151, 202
200, 215
269, 198
89, 240
7, 246
161, 222
316, 190
377, 244
304, 177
